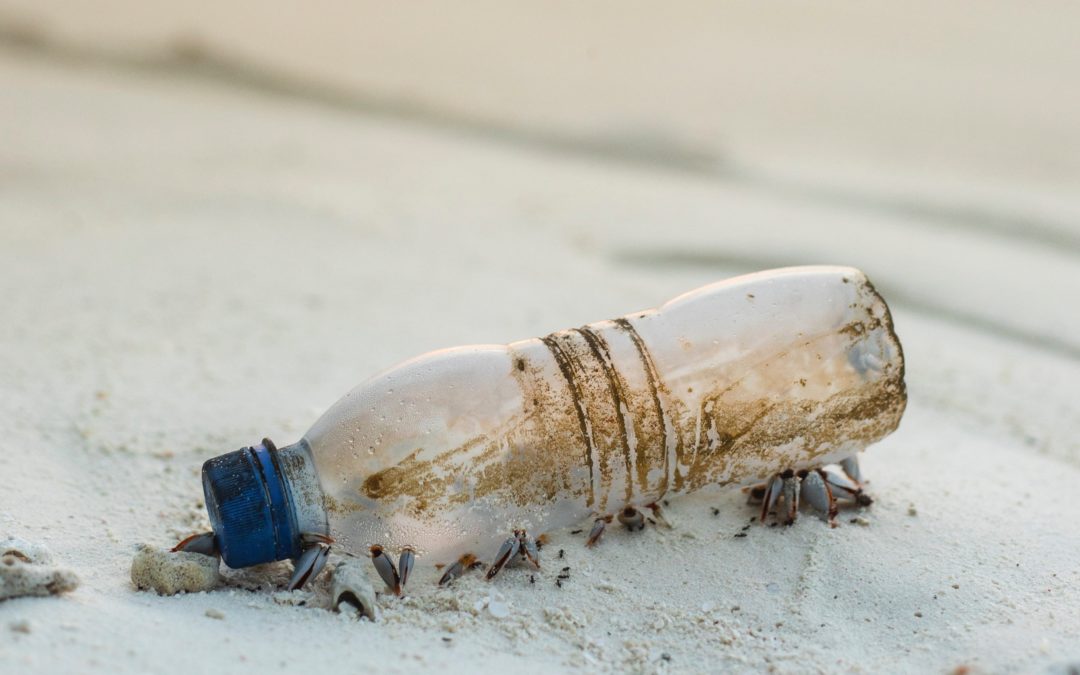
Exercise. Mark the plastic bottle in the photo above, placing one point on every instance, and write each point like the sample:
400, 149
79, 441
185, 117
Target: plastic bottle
451, 451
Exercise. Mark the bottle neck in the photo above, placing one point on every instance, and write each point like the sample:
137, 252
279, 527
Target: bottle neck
261, 501
305, 492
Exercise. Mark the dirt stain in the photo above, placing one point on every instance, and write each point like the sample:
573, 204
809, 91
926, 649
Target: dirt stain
585, 390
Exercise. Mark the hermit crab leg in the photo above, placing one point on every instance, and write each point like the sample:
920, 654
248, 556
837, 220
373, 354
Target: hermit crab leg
311, 561
597, 531
844, 487
507, 551
460, 566
817, 493
405, 564
204, 543
658, 514
791, 495
850, 465
529, 549
772, 494
385, 567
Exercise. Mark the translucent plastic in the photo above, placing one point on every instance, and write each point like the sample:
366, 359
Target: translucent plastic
451, 451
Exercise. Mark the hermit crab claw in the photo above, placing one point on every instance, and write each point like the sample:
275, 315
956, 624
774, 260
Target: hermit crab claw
529, 550
844, 487
311, 561
204, 543
817, 493
385, 567
850, 465
507, 551
405, 564
772, 494
459, 567
597, 531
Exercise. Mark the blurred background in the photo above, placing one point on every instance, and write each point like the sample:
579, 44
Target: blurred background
933, 91
935, 145
936, 92
943, 121
217, 217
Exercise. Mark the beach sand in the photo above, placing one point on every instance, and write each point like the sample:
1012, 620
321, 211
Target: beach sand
187, 267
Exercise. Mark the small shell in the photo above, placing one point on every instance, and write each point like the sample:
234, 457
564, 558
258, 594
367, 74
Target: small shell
352, 587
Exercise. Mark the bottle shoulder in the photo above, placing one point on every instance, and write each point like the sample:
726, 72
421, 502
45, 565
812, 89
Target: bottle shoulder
436, 399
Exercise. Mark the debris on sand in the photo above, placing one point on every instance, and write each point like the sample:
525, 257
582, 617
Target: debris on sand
170, 573
352, 587
28, 569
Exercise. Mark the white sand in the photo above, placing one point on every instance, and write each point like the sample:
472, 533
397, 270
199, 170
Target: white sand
185, 269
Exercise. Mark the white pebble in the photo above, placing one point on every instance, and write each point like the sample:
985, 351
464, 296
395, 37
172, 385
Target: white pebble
26, 569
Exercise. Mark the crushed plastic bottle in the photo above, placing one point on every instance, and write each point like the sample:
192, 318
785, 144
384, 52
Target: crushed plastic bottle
451, 451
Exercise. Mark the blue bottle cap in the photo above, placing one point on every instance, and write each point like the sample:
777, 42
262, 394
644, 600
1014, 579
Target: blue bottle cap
249, 507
